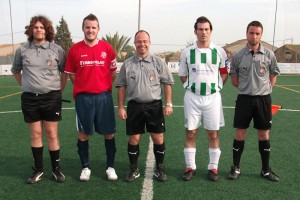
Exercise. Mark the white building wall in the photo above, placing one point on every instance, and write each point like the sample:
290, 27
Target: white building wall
5, 70
289, 68
285, 68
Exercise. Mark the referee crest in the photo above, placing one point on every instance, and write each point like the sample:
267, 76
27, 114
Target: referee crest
152, 77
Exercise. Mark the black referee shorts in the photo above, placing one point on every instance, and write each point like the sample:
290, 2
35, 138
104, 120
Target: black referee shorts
141, 114
257, 108
37, 107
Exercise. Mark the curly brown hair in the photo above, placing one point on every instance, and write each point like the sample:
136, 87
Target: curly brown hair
47, 25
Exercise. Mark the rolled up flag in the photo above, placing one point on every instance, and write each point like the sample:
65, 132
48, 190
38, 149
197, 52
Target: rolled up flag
275, 108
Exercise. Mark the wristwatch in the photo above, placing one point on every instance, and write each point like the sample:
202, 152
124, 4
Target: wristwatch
169, 104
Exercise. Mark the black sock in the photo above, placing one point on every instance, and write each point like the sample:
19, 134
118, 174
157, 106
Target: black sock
264, 150
159, 153
133, 154
37, 153
54, 155
83, 152
237, 150
110, 146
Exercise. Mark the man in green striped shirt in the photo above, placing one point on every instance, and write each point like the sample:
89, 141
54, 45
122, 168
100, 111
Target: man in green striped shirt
203, 70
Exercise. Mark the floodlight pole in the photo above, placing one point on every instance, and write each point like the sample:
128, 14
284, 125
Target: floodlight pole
11, 29
274, 25
139, 17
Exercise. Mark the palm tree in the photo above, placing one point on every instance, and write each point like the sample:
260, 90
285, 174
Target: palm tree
118, 43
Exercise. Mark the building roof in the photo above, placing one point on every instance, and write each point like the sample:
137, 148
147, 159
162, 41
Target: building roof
239, 44
293, 47
8, 49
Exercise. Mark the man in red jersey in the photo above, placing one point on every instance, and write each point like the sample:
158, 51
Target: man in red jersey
91, 65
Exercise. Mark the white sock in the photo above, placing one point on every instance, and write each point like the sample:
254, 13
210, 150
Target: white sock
214, 156
190, 155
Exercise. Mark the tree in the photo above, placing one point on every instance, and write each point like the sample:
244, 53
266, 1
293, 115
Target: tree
63, 35
168, 56
130, 51
119, 44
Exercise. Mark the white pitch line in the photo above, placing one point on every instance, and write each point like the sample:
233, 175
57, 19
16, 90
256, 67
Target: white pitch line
7, 112
18, 111
72, 108
147, 192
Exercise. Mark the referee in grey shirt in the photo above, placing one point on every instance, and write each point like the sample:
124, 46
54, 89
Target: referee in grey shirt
140, 80
253, 71
38, 68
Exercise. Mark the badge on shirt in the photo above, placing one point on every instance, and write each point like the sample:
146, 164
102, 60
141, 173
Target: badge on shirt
152, 77
262, 70
49, 63
103, 54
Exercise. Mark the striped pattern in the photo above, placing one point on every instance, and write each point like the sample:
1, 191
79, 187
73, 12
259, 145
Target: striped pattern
202, 68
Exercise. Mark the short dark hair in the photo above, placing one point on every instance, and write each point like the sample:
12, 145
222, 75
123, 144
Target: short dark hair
90, 17
255, 23
49, 30
141, 31
202, 19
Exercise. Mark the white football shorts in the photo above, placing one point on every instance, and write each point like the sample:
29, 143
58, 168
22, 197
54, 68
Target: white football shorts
206, 109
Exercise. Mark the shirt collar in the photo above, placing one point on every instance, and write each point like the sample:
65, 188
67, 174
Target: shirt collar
211, 45
146, 59
89, 45
261, 49
44, 46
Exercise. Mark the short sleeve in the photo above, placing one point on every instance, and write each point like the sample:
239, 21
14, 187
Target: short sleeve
166, 76
113, 59
183, 64
224, 62
17, 64
233, 66
62, 59
121, 80
274, 70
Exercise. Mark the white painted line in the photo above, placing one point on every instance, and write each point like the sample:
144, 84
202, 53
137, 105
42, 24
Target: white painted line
72, 108
7, 112
147, 192
18, 111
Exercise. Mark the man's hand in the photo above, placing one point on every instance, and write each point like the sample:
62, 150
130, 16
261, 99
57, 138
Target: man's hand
168, 110
122, 113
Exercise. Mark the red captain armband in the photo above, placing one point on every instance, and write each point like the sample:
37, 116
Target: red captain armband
224, 70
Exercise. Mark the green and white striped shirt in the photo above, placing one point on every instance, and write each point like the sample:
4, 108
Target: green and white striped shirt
202, 68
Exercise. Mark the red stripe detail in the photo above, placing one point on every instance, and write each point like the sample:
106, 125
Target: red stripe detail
224, 70
215, 171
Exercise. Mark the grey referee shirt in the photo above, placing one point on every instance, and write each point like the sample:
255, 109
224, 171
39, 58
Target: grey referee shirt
40, 65
143, 78
254, 70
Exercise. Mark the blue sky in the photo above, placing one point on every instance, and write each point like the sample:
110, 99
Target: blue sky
169, 22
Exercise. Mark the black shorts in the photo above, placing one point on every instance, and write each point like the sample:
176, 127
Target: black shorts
37, 107
257, 108
141, 114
